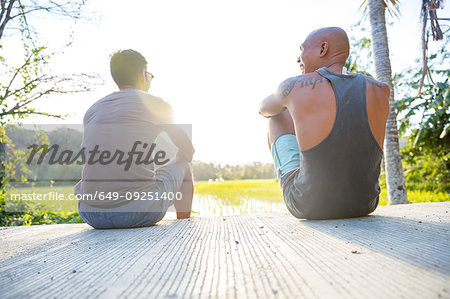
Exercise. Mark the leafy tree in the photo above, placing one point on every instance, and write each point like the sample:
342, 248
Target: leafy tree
426, 119
377, 8
24, 83
21, 85
360, 59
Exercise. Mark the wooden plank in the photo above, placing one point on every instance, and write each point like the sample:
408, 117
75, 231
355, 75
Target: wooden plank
399, 251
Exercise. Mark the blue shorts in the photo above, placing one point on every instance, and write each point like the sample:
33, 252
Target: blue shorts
286, 157
137, 213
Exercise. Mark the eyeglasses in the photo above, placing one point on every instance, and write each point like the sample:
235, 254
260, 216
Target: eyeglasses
149, 75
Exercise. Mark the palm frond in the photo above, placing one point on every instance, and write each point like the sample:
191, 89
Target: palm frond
392, 7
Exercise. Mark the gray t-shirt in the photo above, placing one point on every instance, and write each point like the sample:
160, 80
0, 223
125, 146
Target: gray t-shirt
115, 124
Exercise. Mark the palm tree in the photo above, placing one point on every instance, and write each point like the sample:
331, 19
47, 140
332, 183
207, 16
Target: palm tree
395, 179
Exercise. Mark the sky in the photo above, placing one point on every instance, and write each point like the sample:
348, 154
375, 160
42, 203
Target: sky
213, 61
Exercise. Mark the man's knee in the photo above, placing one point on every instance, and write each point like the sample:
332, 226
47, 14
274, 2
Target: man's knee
280, 124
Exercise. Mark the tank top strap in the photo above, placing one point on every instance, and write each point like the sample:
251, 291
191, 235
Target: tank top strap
350, 92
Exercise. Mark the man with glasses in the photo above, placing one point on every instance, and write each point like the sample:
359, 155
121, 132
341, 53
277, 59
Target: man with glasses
126, 180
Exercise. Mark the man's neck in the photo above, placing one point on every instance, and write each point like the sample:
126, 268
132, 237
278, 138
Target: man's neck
130, 87
335, 67
127, 87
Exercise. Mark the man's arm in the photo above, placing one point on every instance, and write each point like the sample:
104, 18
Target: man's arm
181, 140
178, 136
184, 156
271, 106
276, 103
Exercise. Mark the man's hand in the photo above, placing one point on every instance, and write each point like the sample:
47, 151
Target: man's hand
187, 153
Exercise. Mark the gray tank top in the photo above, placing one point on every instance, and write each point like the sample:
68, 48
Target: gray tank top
339, 176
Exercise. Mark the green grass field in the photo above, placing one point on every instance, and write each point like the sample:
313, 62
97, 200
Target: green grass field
235, 192
218, 198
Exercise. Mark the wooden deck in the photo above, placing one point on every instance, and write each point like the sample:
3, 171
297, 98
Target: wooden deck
399, 251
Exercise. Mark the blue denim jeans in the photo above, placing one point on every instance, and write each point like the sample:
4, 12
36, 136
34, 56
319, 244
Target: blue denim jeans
107, 219
137, 213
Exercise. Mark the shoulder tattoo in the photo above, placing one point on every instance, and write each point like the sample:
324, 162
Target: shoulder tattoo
287, 86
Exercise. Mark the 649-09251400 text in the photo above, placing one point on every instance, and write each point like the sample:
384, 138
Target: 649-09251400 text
98, 195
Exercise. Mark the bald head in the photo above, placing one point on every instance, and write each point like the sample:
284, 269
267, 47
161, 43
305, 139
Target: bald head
327, 46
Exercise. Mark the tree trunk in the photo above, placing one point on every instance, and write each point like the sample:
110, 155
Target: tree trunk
395, 180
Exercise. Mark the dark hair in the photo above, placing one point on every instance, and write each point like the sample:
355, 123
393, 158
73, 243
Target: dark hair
126, 65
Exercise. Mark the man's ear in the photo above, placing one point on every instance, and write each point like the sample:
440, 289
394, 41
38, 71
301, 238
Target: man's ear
141, 83
323, 49
142, 76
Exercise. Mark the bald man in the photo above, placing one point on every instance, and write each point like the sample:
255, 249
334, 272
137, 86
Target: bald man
326, 132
